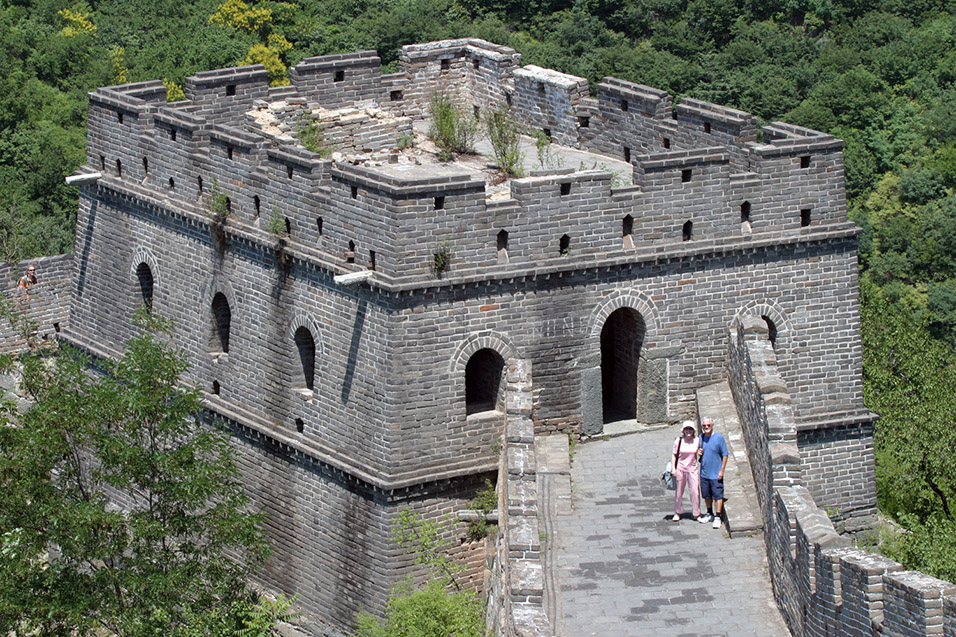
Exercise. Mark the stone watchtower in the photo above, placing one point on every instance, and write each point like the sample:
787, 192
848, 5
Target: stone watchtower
355, 317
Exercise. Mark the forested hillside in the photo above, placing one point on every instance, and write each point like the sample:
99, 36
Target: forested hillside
881, 74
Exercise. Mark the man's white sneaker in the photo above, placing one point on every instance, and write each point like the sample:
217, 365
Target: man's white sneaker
706, 518
676, 518
716, 523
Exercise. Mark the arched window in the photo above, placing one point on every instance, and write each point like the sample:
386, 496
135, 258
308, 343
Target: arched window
771, 331
484, 382
305, 345
221, 323
145, 277
503, 246
687, 232
627, 231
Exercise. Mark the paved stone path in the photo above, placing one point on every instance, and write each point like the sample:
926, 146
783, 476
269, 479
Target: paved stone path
623, 568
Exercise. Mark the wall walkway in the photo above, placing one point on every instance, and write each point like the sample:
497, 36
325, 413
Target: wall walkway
623, 568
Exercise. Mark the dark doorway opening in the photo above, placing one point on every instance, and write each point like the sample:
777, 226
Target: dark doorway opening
621, 340
305, 345
221, 324
484, 382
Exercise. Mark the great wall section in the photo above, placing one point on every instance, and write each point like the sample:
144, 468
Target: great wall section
359, 378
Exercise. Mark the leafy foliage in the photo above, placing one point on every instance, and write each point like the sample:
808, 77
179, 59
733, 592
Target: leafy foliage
260, 22
452, 130
547, 158
310, 134
431, 610
276, 224
923, 546
217, 203
428, 611
909, 378
502, 131
441, 258
484, 502
72, 561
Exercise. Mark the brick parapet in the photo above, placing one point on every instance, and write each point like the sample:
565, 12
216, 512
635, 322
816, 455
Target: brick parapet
223, 95
334, 81
548, 101
823, 586
472, 70
518, 571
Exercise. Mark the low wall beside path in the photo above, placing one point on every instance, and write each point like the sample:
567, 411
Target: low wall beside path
822, 585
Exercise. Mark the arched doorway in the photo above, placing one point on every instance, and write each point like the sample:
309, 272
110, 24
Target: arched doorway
221, 324
621, 340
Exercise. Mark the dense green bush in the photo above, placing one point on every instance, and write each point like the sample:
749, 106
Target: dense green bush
427, 611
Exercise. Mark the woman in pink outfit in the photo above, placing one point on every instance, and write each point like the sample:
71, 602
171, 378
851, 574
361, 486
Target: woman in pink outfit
686, 470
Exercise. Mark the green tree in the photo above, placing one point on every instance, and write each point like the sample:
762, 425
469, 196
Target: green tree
120, 511
909, 379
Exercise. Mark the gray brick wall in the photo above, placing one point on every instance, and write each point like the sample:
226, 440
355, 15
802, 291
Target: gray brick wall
46, 303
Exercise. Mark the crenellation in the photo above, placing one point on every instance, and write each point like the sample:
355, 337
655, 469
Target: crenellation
822, 585
546, 101
706, 123
630, 116
151, 91
223, 95
334, 81
769, 212
449, 65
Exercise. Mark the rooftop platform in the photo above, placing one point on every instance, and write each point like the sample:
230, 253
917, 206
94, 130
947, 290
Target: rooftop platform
412, 156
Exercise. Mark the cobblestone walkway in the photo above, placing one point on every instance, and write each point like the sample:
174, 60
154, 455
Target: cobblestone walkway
623, 568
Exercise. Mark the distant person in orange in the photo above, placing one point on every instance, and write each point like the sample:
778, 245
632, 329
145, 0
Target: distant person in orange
28, 280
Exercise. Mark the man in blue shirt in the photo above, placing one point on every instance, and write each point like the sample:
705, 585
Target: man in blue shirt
713, 461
